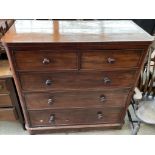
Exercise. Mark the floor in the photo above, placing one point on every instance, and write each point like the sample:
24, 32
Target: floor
14, 128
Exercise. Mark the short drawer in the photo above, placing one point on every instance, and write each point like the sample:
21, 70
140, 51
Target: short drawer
75, 117
76, 80
110, 59
5, 100
3, 86
45, 60
7, 114
76, 99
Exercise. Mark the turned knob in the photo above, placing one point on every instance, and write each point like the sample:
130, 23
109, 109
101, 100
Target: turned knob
48, 82
99, 115
102, 98
50, 101
107, 80
52, 118
46, 61
111, 60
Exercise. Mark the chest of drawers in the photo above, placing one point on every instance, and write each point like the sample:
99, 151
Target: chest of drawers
75, 75
9, 105
7, 108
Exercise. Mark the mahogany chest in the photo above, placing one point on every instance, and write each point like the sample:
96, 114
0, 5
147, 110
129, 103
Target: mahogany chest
75, 75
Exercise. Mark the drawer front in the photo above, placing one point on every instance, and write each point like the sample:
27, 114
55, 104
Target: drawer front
5, 100
110, 59
77, 80
7, 114
45, 60
76, 99
75, 117
3, 87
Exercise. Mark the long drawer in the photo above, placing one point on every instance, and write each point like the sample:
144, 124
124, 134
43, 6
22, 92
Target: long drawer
5, 100
8, 114
46, 60
76, 80
75, 117
110, 59
76, 99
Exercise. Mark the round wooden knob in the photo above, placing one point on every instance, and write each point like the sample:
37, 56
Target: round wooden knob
107, 80
111, 60
46, 61
99, 115
48, 82
102, 98
50, 101
52, 118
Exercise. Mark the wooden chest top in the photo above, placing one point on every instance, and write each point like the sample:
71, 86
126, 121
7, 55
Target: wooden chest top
64, 31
